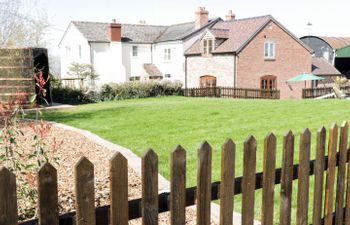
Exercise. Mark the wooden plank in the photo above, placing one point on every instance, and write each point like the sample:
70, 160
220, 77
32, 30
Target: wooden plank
203, 193
248, 184
347, 201
48, 195
149, 188
118, 175
85, 192
178, 186
268, 193
332, 150
8, 198
343, 144
228, 151
303, 180
319, 170
287, 179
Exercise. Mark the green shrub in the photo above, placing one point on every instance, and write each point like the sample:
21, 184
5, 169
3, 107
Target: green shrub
136, 89
72, 96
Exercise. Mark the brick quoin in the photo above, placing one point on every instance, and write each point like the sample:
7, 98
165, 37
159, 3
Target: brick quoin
291, 59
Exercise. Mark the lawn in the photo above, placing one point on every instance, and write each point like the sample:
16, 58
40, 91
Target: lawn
162, 123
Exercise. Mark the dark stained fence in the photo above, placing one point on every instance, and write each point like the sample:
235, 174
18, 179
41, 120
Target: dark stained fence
153, 203
317, 92
231, 92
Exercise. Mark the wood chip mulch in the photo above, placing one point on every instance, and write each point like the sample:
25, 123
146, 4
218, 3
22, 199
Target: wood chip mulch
72, 146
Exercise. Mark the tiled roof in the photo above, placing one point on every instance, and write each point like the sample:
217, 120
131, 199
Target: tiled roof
240, 31
220, 33
139, 33
321, 66
152, 70
93, 31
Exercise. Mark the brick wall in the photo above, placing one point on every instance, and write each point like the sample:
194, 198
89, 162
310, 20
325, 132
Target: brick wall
219, 66
291, 59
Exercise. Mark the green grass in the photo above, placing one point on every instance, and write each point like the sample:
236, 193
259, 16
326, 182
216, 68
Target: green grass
162, 123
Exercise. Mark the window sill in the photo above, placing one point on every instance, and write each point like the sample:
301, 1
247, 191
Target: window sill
207, 55
269, 59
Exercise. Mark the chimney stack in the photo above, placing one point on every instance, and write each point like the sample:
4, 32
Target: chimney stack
230, 16
201, 17
114, 30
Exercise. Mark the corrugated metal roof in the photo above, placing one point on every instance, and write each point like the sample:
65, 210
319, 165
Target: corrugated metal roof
343, 52
336, 42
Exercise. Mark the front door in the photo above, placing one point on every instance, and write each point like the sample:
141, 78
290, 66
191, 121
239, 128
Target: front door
268, 84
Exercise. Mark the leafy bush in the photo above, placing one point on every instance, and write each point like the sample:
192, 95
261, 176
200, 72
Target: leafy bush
72, 96
136, 89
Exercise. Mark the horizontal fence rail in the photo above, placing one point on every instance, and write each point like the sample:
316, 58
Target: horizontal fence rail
232, 92
317, 92
337, 185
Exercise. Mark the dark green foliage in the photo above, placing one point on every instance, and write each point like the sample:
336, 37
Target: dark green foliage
136, 89
71, 96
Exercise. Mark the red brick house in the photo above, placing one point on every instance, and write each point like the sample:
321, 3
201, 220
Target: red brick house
248, 53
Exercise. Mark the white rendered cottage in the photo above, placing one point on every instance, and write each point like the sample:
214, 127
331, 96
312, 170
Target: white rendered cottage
123, 52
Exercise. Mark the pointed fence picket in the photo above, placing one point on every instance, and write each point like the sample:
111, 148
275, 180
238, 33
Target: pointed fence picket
152, 203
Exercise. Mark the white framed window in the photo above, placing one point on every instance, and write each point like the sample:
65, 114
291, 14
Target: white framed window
79, 50
67, 51
269, 50
167, 75
167, 54
135, 51
208, 46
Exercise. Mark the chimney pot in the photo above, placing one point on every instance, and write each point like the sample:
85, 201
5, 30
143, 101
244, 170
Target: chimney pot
230, 16
201, 18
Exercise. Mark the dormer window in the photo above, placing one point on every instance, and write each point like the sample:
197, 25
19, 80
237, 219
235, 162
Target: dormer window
269, 50
208, 46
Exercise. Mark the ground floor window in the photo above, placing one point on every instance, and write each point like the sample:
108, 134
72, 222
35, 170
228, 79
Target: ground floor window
268, 82
207, 81
134, 78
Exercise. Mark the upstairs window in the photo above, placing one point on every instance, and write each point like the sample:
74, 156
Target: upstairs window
167, 54
207, 46
67, 51
79, 50
134, 51
269, 50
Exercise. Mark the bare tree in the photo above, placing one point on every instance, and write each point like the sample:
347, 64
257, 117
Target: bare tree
23, 23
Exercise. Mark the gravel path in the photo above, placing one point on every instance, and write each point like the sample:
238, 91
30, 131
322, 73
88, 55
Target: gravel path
74, 146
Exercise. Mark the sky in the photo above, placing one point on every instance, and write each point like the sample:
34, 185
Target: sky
328, 17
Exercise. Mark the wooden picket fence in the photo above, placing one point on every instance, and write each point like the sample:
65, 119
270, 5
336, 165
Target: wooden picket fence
231, 92
151, 204
317, 92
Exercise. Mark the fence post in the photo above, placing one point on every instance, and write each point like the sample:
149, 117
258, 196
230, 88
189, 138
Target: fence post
228, 150
118, 177
203, 193
85, 192
343, 144
287, 179
268, 191
178, 186
332, 150
48, 195
303, 178
8, 198
248, 183
149, 188
319, 170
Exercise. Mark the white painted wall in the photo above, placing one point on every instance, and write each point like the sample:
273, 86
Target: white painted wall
174, 66
134, 64
220, 66
72, 40
107, 61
